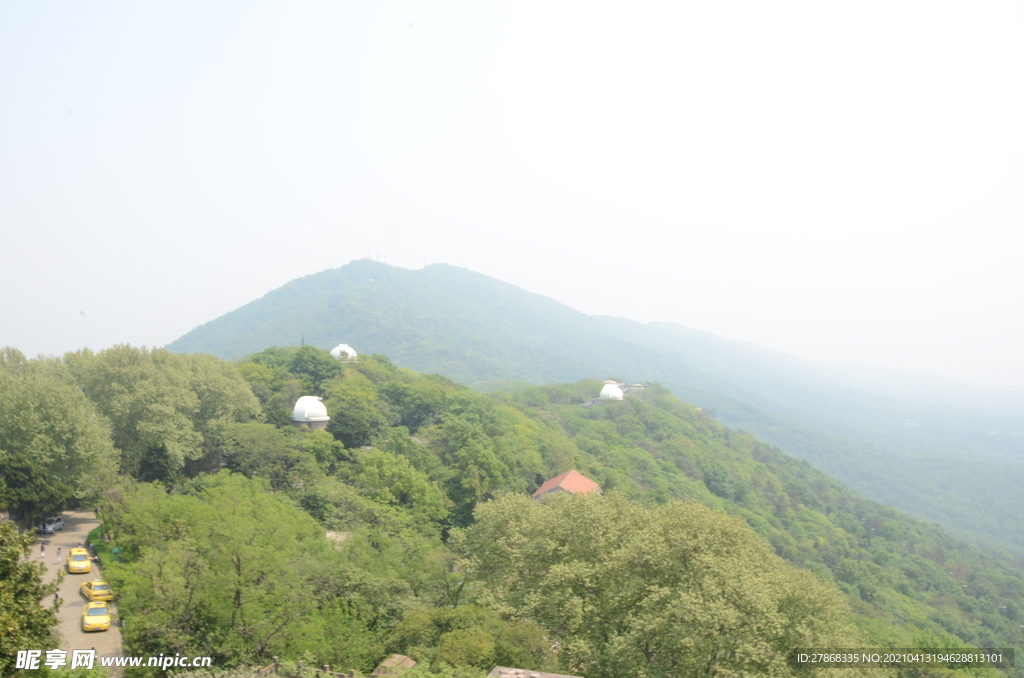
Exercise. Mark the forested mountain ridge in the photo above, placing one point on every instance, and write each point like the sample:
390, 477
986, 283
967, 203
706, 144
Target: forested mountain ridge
874, 553
912, 441
442, 320
417, 480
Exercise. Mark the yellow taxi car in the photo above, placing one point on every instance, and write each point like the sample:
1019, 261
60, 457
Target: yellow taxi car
96, 617
97, 589
78, 561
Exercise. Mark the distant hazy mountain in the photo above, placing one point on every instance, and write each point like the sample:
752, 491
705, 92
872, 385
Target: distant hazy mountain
936, 448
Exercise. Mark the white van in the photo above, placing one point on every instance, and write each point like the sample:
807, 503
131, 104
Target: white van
51, 525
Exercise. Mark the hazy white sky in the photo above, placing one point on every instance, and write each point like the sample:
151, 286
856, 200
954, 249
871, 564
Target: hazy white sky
841, 181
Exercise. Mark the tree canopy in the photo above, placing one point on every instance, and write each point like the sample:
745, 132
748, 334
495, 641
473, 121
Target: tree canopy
25, 619
225, 569
406, 525
165, 409
53, 445
672, 589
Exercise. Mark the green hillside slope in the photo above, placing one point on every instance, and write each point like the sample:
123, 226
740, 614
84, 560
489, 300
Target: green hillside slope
953, 464
878, 556
406, 526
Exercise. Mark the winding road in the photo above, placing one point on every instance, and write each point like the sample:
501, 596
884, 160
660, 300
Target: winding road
77, 525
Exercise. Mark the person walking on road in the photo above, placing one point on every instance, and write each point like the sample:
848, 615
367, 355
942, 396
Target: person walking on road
56, 560
42, 550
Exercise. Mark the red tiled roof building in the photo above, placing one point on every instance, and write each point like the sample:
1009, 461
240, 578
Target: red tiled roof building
570, 481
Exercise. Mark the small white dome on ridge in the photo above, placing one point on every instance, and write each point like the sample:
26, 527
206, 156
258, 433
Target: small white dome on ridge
309, 409
344, 352
611, 391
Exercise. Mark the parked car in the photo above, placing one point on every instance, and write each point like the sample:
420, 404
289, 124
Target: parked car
51, 525
97, 589
78, 561
96, 617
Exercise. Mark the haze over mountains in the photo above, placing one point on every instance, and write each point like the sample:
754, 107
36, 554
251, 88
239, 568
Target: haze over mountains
933, 447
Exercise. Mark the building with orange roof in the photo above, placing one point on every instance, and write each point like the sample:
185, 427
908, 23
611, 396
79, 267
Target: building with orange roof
570, 481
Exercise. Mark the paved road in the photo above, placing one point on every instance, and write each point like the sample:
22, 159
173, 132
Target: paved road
77, 525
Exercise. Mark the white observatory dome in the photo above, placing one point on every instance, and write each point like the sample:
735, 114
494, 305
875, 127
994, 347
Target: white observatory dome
611, 391
340, 350
309, 409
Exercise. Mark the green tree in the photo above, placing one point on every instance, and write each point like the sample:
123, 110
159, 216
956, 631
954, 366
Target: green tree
52, 443
351, 402
419, 454
479, 467
717, 479
223, 396
418, 401
328, 452
28, 489
471, 636
276, 455
25, 620
228, 571
276, 388
146, 397
677, 589
390, 479
315, 367
165, 409
274, 357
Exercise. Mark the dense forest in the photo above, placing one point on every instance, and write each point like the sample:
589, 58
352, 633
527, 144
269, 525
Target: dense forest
406, 526
938, 449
